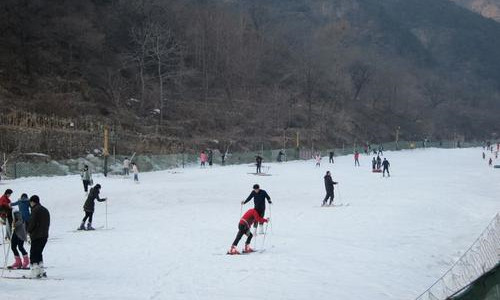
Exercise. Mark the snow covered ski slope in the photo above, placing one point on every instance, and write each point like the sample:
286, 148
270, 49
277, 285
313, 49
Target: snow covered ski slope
171, 232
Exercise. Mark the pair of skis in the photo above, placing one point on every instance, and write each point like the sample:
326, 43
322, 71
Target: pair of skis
336, 205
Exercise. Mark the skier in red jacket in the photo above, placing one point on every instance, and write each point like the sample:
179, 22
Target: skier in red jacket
246, 222
5, 208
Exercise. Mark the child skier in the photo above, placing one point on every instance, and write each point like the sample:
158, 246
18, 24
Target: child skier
88, 207
356, 158
203, 158
135, 170
18, 238
318, 160
86, 178
244, 226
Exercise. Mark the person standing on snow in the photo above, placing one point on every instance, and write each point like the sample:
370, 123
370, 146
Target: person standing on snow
379, 162
356, 158
38, 229
6, 210
18, 238
258, 163
89, 206
490, 162
317, 158
386, 165
244, 226
374, 163
259, 198
329, 183
210, 158
331, 157
203, 159
86, 178
135, 170
126, 166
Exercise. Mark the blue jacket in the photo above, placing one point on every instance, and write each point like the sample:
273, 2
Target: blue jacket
24, 208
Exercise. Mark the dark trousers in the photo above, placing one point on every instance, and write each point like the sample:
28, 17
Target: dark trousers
259, 168
261, 211
16, 243
386, 169
86, 184
329, 194
126, 171
36, 250
331, 160
242, 230
356, 162
88, 215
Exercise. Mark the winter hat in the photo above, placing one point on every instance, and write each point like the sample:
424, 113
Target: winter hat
256, 186
35, 199
98, 186
8, 192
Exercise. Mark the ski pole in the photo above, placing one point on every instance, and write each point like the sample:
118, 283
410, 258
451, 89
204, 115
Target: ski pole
106, 213
3, 244
264, 239
340, 197
6, 258
270, 217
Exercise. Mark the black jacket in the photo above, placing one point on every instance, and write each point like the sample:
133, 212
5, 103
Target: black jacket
386, 164
38, 226
89, 203
259, 199
329, 183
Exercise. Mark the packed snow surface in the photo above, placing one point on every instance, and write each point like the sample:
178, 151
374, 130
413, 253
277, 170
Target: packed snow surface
167, 236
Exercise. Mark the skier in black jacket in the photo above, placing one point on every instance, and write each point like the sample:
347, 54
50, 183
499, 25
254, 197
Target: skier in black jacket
259, 198
258, 163
88, 207
386, 165
329, 183
38, 229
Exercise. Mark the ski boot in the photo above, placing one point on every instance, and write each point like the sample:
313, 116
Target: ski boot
233, 250
42, 270
35, 271
89, 226
82, 226
26, 262
247, 249
17, 263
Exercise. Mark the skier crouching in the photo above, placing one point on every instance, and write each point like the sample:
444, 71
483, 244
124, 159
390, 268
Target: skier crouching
244, 225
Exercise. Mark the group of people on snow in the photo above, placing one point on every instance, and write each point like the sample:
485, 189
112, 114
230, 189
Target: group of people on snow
206, 157
377, 163
30, 222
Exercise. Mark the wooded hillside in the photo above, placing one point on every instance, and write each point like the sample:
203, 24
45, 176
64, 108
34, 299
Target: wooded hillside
252, 71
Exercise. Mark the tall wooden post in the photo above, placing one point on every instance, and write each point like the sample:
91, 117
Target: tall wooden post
106, 150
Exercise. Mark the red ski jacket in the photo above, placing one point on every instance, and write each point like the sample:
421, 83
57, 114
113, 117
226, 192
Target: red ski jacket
250, 217
4, 206
4, 201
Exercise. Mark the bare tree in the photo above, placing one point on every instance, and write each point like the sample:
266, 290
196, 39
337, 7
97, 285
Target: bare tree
164, 50
360, 75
